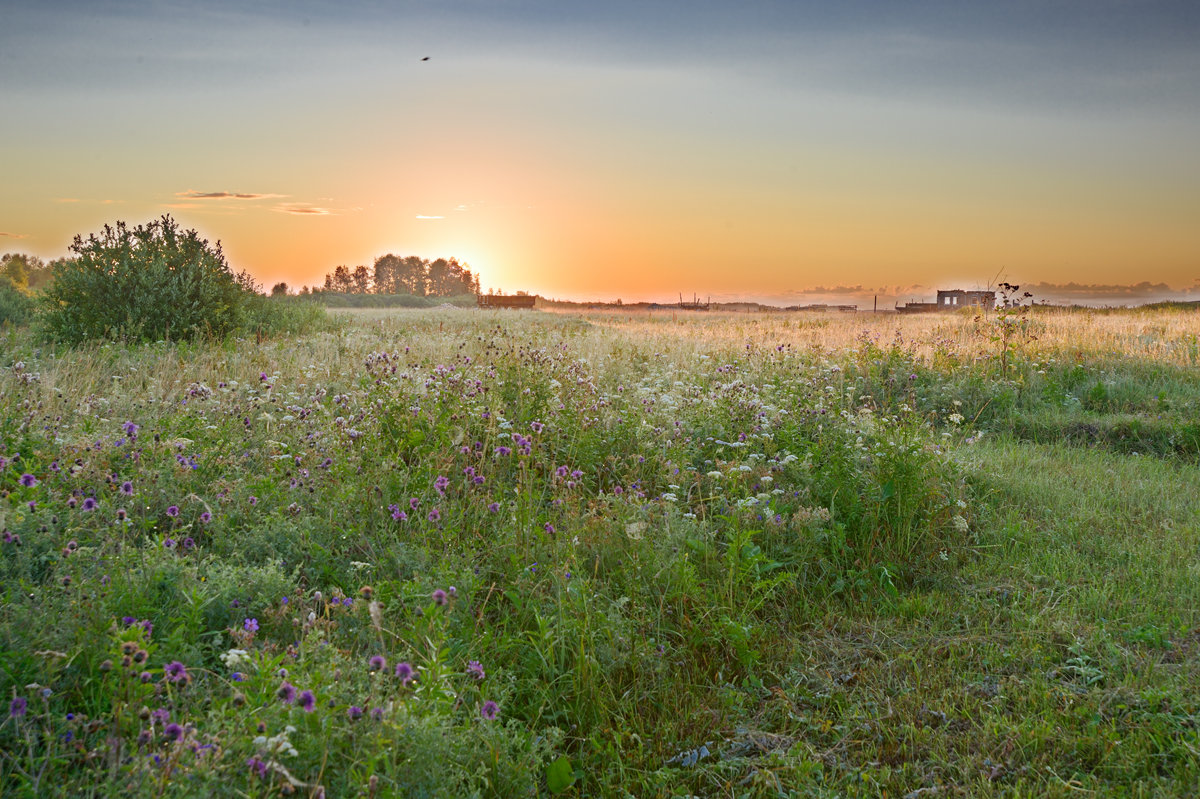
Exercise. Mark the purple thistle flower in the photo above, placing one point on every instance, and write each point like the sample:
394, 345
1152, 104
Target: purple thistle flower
354, 712
503, 451
189, 543
28, 480
489, 711
130, 429
286, 693
250, 625
377, 714
205, 517
452, 591
257, 767
172, 510
549, 528
536, 426
405, 672
127, 488
494, 507
17, 707
168, 543
307, 701
377, 663
475, 670
414, 503
253, 501
176, 672
434, 515
439, 597
89, 503
121, 514
172, 732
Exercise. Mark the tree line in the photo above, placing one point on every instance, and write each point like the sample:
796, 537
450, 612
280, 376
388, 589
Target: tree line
391, 274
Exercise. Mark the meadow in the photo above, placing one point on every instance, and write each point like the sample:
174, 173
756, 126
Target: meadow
448, 552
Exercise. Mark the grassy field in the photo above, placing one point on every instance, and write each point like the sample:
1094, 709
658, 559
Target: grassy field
452, 553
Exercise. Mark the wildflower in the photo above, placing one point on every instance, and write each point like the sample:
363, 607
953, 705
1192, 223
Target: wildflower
28, 480
17, 707
205, 517
89, 503
549, 528
130, 429
475, 670
494, 507
250, 625
405, 672
121, 514
172, 732
489, 711
286, 693
257, 767
377, 663
169, 543
176, 672
452, 591
536, 426
439, 598
354, 712
414, 503
172, 510
377, 714
307, 701
237, 676
127, 488
189, 543
434, 515
253, 501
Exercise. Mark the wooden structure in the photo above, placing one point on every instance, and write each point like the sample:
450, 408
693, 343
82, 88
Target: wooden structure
506, 300
952, 300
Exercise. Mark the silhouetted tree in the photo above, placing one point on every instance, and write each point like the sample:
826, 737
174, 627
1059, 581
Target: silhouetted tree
361, 280
279, 290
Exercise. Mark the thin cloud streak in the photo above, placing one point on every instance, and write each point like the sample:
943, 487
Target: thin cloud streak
422, 216
192, 194
13, 235
302, 209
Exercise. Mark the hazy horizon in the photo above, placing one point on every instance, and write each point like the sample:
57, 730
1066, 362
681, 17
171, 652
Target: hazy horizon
632, 150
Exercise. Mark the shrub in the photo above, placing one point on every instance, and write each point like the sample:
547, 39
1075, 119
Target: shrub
150, 282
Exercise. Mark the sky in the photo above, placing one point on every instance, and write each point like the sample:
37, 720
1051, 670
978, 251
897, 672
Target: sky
785, 152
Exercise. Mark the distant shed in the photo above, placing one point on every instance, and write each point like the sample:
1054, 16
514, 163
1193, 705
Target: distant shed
952, 300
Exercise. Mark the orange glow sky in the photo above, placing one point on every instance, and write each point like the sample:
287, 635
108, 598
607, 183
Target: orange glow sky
735, 150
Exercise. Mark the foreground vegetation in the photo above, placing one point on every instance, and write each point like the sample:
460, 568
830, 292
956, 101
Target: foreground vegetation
452, 553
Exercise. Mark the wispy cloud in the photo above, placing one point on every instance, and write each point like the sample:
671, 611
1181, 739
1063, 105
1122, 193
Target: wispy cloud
423, 216
192, 194
4, 235
304, 209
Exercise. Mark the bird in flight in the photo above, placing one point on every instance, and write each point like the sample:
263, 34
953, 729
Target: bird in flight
426, 58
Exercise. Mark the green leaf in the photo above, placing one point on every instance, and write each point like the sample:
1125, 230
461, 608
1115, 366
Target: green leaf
560, 775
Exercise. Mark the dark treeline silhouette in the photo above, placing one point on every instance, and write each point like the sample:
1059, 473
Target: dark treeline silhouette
444, 277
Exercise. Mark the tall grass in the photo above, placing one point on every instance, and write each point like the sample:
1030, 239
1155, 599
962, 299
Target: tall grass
646, 554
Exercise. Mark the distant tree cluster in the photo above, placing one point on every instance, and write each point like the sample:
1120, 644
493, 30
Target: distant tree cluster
444, 277
27, 273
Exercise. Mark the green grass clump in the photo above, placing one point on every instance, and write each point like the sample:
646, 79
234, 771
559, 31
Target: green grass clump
464, 553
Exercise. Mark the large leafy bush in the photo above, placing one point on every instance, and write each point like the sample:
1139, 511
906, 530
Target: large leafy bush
150, 282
